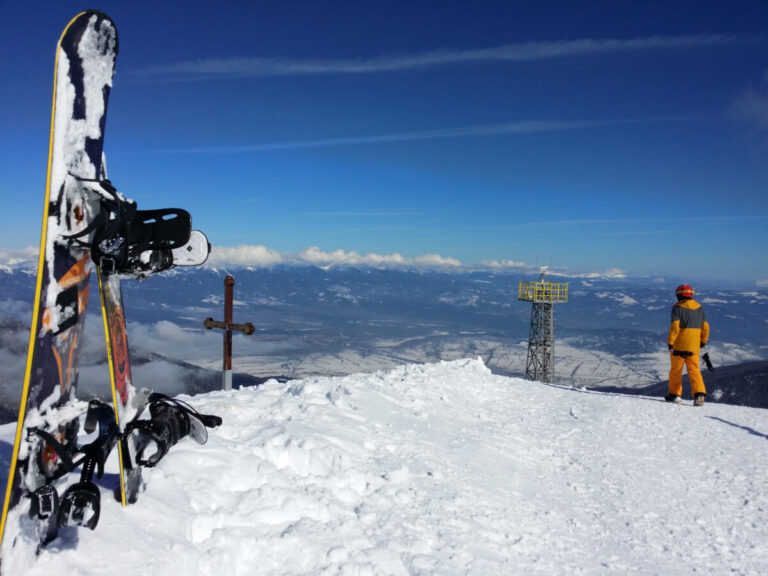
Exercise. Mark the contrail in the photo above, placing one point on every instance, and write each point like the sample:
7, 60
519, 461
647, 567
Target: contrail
242, 67
525, 127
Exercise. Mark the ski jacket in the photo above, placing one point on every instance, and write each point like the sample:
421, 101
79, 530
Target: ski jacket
689, 328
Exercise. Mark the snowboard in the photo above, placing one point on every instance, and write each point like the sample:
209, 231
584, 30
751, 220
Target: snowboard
87, 224
128, 402
50, 412
140, 244
194, 253
143, 442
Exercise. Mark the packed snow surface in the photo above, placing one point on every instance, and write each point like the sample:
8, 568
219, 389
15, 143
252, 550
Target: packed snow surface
439, 469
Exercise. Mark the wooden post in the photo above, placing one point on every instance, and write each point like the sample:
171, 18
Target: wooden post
228, 327
229, 296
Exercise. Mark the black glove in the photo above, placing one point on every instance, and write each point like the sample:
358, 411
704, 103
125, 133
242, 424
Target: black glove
670, 346
703, 344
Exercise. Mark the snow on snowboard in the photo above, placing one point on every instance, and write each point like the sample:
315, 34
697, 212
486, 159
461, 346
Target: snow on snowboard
86, 224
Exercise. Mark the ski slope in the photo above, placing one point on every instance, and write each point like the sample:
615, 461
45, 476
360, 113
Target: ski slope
439, 469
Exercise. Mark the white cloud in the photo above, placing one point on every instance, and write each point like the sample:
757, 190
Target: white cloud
435, 260
610, 273
317, 257
239, 67
243, 255
313, 255
259, 256
19, 258
263, 257
752, 105
166, 338
505, 264
707, 300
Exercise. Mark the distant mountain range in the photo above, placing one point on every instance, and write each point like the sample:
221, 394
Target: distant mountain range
312, 321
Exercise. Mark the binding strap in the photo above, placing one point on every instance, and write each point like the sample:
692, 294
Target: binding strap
64, 454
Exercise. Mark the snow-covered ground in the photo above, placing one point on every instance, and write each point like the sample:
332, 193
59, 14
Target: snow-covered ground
439, 469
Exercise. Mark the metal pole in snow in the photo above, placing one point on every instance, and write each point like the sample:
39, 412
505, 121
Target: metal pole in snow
229, 292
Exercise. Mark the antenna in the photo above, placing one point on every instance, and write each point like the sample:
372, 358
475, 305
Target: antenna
540, 363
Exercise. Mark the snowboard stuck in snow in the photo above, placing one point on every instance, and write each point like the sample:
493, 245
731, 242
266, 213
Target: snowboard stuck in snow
87, 224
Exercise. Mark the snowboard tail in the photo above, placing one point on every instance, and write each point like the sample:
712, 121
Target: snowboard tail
143, 442
127, 403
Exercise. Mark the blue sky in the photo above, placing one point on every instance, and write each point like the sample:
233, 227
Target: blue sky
589, 136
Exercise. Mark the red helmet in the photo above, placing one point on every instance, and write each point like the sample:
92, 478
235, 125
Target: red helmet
684, 290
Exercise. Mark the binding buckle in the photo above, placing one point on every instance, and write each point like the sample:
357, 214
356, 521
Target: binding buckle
45, 502
107, 265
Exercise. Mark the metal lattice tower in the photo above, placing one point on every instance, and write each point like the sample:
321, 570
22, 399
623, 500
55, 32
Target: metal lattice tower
540, 363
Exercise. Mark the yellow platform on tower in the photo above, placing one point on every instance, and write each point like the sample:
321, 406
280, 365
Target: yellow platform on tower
546, 292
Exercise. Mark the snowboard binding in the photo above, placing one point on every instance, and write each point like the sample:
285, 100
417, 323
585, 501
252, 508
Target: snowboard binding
54, 455
80, 505
134, 242
45, 506
81, 502
170, 421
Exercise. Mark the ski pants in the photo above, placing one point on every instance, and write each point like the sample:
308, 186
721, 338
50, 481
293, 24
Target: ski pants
694, 374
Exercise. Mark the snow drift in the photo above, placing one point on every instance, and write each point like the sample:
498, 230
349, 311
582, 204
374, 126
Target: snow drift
439, 469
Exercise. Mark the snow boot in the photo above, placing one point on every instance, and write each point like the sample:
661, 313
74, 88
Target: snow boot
698, 399
673, 398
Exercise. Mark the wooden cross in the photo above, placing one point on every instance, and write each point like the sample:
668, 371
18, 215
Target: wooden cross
228, 326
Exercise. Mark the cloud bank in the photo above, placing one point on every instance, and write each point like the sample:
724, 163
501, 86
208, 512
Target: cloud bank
258, 256
243, 255
615, 273
22, 258
247, 256
243, 67
501, 264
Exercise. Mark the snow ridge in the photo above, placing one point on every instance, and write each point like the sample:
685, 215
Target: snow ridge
442, 469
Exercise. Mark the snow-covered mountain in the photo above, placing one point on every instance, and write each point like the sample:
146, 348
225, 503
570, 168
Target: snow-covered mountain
337, 321
437, 469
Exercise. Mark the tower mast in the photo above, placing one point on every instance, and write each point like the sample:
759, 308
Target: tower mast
540, 362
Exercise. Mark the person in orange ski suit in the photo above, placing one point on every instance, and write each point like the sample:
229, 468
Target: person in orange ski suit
688, 334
